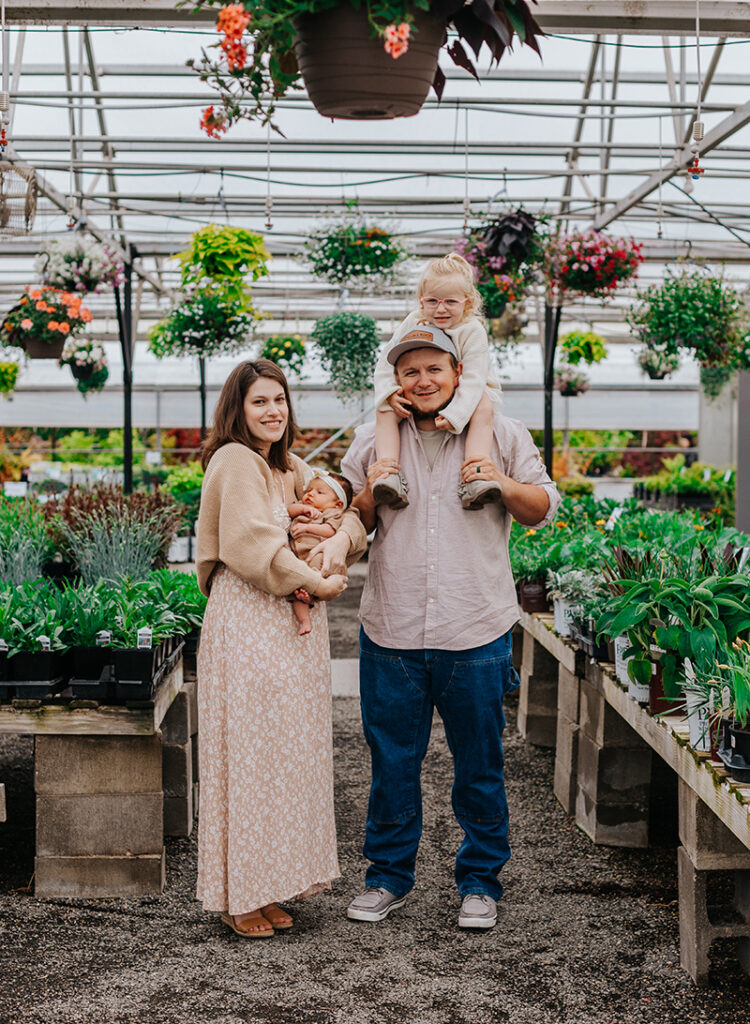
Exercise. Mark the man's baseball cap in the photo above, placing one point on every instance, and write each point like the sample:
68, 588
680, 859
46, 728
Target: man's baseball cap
424, 336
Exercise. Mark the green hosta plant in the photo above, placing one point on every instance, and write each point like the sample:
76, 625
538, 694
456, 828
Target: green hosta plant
180, 592
141, 603
92, 610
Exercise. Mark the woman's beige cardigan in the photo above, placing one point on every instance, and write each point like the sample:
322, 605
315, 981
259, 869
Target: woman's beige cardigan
236, 525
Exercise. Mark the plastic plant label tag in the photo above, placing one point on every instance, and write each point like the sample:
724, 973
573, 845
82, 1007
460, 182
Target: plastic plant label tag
45, 642
104, 638
707, 474
682, 470
727, 476
3, 647
145, 638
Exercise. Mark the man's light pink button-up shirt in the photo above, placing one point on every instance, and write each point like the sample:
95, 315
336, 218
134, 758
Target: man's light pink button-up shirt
439, 576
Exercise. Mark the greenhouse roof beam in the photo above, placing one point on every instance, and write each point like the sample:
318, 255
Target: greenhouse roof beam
498, 74
712, 140
590, 17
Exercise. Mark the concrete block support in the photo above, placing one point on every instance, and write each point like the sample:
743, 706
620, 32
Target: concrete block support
613, 775
99, 811
708, 845
566, 746
537, 701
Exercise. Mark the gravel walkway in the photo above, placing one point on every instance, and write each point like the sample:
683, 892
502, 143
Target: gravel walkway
585, 933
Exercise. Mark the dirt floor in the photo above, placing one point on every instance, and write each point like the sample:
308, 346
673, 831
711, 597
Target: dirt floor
585, 933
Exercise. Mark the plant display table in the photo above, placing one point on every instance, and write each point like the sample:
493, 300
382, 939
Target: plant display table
110, 782
605, 745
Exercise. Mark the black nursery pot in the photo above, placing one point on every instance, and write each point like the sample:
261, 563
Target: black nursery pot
40, 666
135, 666
91, 662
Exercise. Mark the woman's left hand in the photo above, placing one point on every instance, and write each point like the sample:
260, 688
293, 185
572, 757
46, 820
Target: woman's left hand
481, 469
334, 551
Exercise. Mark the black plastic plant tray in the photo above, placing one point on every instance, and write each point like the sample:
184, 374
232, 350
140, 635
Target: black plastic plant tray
37, 667
33, 689
735, 764
92, 664
134, 666
7, 693
103, 692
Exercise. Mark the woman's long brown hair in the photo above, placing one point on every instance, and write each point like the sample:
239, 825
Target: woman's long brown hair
229, 418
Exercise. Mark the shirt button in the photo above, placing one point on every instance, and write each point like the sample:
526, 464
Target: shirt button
432, 600
432, 568
434, 496
432, 529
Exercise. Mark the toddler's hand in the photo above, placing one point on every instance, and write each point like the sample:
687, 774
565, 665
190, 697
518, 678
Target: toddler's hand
400, 406
313, 513
442, 423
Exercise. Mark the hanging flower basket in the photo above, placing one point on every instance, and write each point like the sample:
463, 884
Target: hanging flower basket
348, 73
79, 264
87, 363
205, 323
43, 320
591, 263
570, 382
358, 60
352, 251
657, 361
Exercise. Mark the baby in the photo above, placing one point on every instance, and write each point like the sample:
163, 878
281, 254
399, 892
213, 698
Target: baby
321, 512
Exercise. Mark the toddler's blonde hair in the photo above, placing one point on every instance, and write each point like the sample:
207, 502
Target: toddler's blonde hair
453, 265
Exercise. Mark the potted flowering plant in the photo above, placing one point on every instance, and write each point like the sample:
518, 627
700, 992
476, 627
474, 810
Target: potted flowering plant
286, 350
570, 382
504, 253
364, 61
353, 251
223, 256
42, 321
87, 363
657, 362
204, 324
78, 264
591, 263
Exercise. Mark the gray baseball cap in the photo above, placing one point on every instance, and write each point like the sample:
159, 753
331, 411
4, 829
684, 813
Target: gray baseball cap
423, 336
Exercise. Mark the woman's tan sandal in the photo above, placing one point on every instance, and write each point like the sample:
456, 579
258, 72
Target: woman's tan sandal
250, 929
276, 916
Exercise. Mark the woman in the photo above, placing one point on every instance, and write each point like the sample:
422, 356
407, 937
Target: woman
267, 830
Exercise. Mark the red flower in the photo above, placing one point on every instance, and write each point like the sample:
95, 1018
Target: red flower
214, 125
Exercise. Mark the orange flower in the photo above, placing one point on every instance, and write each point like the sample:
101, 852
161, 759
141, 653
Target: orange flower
214, 125
86, 316
53, 325
41, 304
397, 40
36, 294
67, 297
63, 328
26, 323
233, 20
236, 54
23, 302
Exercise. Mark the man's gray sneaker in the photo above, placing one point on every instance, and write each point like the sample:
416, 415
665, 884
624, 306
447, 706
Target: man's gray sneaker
374, 904
478, 910
391, 491
475, 494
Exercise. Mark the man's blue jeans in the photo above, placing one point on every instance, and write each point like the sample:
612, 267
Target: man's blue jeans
399, 689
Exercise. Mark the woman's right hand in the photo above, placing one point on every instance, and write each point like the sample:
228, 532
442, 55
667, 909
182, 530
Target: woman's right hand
330, 587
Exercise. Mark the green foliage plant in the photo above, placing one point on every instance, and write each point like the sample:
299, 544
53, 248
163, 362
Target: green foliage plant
25, 545
256, 64
348, 344
225, 257
8, 377
583, 347
184, 483
697, 312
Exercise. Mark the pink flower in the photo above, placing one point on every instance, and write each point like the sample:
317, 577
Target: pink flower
397, 40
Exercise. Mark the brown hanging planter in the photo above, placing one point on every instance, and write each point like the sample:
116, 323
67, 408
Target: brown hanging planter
348, 73
37, 348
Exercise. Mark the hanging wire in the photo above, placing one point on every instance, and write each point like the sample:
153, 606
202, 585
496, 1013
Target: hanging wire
269, 197
698, 128
4, 87
467, 201
659, 207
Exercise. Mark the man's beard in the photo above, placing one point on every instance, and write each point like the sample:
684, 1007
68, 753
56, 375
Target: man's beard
434, 412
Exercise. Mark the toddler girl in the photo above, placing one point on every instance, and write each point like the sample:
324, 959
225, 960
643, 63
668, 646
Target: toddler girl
321, 510
449, 300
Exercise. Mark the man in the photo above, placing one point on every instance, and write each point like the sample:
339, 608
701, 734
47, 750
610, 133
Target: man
437, 610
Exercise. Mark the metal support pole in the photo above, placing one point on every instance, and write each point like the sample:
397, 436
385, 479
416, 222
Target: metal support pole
742, 515
202, 369
124, 306
551, 329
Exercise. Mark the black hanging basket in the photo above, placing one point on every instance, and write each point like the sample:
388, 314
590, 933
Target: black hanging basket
348, 73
